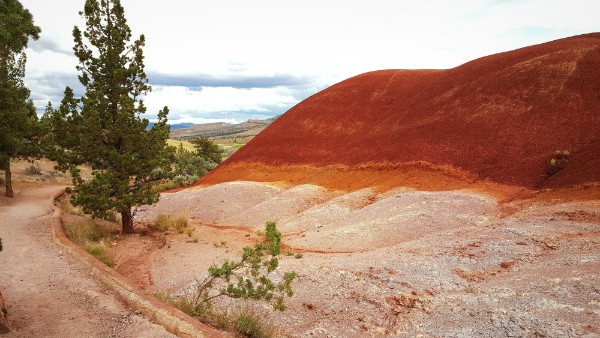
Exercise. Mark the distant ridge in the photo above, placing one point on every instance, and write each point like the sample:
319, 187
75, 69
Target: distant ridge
500, 118
223, 132
174, 126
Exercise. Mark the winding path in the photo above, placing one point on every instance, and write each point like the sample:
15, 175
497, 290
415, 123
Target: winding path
47, 293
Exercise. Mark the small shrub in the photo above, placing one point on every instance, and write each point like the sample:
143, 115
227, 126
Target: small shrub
163, 222
190, 232
33, 170
185, 180
253, 324
68, 208
206, 314
558, 162
167, 223
180, 223
89, 231
102, 252
247, 321
113, 216
93, 237
166, 185
0, 244
248, 278
298, 255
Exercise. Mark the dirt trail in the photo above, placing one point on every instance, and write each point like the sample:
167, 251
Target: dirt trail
46, 292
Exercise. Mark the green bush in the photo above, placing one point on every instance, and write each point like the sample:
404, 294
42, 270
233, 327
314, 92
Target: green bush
248, 278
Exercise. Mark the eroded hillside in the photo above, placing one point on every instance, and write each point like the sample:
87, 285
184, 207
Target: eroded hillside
498, 118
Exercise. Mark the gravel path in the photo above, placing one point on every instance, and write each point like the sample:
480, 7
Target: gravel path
46, 292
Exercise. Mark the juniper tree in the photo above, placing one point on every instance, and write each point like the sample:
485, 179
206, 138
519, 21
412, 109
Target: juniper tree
207, 149
104, 128
18, 126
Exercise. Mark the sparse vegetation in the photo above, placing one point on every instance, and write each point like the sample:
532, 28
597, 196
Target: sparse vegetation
247, 278
33, 170
189, 166
94, 236
68, 208
177, 224
558, 162
248, 321
165, 185
102, 252
253, 323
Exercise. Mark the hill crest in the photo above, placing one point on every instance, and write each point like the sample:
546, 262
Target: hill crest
498, 118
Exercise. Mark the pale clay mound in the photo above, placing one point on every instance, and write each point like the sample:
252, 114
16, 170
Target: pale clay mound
402, 263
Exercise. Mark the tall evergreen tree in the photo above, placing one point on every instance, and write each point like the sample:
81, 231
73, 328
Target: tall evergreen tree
17, 114
103, 128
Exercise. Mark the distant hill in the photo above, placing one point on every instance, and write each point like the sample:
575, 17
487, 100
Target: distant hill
180, 125
222, 132
500, 118
174, 126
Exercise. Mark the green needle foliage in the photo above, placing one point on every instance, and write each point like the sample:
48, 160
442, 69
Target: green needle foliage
18, 119
207, 149
103, 128
247, 278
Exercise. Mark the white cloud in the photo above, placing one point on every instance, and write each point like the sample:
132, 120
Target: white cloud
320, 41
219, 102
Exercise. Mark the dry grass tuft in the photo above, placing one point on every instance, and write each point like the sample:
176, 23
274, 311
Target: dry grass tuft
178, 224
94, 237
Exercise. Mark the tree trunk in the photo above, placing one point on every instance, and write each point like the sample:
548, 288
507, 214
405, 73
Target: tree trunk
8, 181
127, 221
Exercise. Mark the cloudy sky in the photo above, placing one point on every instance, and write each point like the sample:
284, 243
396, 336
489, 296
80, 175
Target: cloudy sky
231, 60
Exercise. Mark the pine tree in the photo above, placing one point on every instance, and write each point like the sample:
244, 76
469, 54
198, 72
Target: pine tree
103, 128
18, 127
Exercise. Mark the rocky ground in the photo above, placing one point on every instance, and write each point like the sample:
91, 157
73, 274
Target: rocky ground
399, 263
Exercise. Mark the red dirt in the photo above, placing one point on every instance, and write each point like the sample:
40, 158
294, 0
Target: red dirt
499, 118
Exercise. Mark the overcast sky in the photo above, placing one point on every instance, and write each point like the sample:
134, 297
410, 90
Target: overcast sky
231, 60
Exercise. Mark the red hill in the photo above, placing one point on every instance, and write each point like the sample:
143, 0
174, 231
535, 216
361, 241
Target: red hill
499, 118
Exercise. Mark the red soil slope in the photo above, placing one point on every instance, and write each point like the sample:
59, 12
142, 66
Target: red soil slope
499, 118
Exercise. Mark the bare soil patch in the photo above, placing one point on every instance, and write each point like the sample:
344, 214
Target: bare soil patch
402, 262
